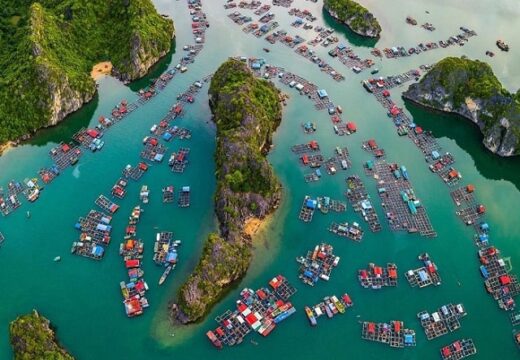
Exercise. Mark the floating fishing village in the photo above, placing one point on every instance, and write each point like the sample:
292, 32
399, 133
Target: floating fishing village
356, 210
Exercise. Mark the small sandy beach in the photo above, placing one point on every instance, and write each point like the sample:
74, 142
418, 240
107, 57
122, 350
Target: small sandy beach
100, 69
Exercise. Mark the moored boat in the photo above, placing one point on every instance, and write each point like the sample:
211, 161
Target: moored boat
310, 316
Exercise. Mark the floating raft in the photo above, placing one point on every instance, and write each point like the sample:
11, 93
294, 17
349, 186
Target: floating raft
312, 160
49, 174
351, 231
377, 277
426, 275
330, 306
360, 200
168, 194
515, 318
135, 172
498, 282
105, 204
459, 349
184, 197
307, 210
153, 150
372, 147
178, 161
258, 311
65, 155
317, 264
303, 148
165, 249
326, 204
95, 227
343, 158
131, 250
393, 334
446, 319
119, 188
464, 195
403, 209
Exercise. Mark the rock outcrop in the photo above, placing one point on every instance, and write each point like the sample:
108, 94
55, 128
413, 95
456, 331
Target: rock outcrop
47, 62
357, 18
470, 89
246, 111
32, 337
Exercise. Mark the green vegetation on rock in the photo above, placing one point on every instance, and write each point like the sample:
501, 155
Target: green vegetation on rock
470, 88
247, 111
32, 338
48, 48
355, 16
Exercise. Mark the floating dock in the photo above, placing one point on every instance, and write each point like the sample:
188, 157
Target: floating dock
459, 349
424, 276
446, 319
360, 201
326, 204
317, 264
392, 334
65, 155
135, 172
153, 151
377, 277
119, 188
403, 209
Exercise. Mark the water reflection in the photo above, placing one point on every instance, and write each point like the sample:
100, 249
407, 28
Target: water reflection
469, 138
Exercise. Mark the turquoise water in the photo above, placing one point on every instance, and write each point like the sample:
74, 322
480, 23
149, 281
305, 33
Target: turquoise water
82, 297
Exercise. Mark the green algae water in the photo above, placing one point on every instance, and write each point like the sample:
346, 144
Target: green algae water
82, 297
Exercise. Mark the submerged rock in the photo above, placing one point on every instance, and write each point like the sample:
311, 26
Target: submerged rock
246, 111
470, 89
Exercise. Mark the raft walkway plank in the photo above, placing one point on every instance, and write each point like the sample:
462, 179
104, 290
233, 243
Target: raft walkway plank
458, 350
424, 276
393, 334
376, 277
317, 264
403, 211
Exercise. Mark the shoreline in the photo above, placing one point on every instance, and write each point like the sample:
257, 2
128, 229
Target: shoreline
457, 114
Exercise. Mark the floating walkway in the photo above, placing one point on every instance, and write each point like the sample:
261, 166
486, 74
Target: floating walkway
179, 160
168, 194
317, 264
445, 320
424, 276
392, 334
184, 197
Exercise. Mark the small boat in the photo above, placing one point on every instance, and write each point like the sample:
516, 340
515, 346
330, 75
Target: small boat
310, 315
490, 53
375, 71
410, 20
339, 109
266, 50
57, 258
165, 274
28, 214
502, 45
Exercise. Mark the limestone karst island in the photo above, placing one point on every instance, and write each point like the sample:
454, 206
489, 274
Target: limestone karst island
242, 179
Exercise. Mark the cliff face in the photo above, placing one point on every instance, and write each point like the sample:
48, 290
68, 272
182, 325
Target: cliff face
470, 89
53, 46
247, 111
356, 17
32, 338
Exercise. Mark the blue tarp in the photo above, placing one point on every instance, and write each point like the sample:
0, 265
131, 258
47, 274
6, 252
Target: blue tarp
412, 208
158, 157
365, 204
167, 136
422, 275
484, 226
186, 189
77, 226
307, 273
435, 155
342, 46
408, 339
322, 93
484, 271
255, 66
318, 172
98, 250
171, 257
310, 203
